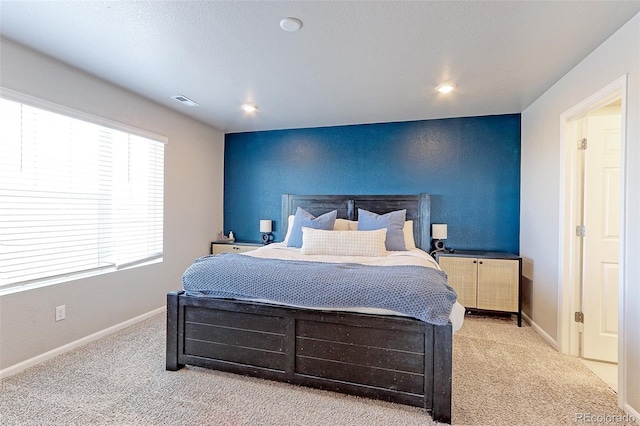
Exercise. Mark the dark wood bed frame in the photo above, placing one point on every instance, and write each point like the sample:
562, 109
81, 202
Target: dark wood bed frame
396, 359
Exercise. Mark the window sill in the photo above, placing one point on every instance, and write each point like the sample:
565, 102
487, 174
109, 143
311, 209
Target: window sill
17, 288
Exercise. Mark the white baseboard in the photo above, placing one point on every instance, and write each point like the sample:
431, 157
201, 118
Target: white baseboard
632, 413
16, 368
550, 340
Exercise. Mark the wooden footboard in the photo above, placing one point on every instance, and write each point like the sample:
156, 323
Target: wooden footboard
396, 359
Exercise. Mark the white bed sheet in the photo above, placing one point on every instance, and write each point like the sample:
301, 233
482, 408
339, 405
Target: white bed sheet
393, 258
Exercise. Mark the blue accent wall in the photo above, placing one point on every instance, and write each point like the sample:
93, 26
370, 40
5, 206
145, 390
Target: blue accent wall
470, 166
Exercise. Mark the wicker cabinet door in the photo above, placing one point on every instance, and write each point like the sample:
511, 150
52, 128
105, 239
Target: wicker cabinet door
462, 273
498, 284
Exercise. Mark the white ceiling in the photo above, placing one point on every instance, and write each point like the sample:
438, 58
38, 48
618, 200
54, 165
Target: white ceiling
352, 62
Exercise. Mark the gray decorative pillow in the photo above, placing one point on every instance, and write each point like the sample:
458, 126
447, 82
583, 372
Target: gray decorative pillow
304, 218
393, 222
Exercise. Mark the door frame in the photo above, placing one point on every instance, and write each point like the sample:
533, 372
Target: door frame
569, 290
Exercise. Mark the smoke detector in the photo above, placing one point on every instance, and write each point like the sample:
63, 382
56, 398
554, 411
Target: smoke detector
291, 25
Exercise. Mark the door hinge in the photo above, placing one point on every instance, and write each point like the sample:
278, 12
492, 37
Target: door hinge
582, 144
581, 231
579, 317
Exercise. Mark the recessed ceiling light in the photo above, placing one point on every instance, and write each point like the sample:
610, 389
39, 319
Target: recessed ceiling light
445, 87
185, 101
291, 25
249, 107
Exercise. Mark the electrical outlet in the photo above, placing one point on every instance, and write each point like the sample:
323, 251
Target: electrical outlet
60, 313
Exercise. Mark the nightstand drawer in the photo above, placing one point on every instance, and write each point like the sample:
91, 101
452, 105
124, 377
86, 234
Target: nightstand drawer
238, 247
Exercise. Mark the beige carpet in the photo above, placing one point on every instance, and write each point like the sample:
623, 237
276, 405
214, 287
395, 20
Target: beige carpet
503, 375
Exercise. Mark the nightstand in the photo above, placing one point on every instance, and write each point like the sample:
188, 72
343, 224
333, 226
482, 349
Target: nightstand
485, 281
236, 247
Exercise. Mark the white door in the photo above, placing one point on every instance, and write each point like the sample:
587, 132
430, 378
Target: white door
601, 243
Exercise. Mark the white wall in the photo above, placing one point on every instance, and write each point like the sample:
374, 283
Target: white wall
540, 191
194, 161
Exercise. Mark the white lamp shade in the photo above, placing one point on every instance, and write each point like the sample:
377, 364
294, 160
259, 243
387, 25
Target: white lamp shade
265, 225
439, 231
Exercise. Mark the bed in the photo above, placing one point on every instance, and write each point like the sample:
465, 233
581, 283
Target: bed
391, 357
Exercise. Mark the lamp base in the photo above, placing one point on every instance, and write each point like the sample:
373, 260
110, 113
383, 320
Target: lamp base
438, 245
267, 237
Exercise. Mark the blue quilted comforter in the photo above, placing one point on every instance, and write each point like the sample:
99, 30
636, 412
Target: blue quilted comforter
416, 291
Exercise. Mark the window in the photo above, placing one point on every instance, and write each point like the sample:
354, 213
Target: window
76, 196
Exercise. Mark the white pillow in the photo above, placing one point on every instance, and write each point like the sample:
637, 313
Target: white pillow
289, 228
409, 241
344, 243
345, 225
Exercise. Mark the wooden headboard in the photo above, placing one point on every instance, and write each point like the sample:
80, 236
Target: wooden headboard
418, 209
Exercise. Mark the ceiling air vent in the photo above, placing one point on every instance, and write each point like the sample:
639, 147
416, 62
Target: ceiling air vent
185, 101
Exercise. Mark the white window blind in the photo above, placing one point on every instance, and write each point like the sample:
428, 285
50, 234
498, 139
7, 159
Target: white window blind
75, 196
